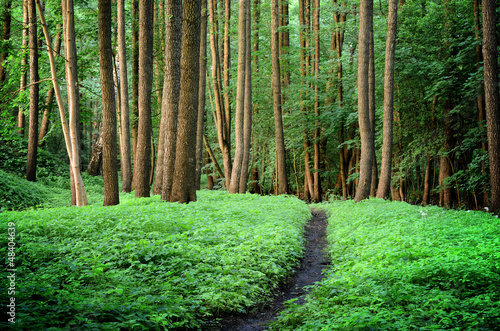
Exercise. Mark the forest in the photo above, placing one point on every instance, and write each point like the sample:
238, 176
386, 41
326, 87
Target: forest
162, 161
265, 108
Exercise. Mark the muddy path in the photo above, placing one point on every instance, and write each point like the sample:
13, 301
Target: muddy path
309, 272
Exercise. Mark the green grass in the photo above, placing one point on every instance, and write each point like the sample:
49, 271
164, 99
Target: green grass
402, 267
150, 265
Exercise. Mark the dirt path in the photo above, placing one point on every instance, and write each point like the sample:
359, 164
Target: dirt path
308, 273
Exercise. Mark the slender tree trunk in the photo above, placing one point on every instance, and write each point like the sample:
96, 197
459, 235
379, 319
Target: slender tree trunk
171, 90
24, 67
227, 75
135, 81
184, 186
143, 158
317, 130
371, 103
384, 186
240, 99
94, 166
427, 181
109, 153
34, 94
276, 87
367, 144
126, 166
201, 93
490, 55
247, 128
44, 127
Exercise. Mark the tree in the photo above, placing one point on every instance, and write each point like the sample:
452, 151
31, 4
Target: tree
384, 186
24, 46
184, 185
34, 94
143, 157
171, 91
367, 143
125, 151
240, 99
7, 19
276, 88
109, 153
490, 55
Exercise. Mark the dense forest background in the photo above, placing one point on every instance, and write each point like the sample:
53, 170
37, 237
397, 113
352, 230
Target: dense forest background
256, 96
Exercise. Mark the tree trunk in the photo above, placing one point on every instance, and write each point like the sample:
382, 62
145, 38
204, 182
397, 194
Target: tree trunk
201, 93
109, 153
371, 103
143, 158
94, 167
427, 181
240, 99
276, 87
367, 144
247, 128
24, 67
126, 166
171, 90
135, 81
317, 130
34, 93
44, 127
384, 186
490, 55
184, 186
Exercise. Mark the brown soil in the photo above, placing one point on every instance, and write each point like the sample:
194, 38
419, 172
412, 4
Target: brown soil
309, 272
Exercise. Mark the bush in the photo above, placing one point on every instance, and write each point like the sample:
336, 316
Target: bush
17, 193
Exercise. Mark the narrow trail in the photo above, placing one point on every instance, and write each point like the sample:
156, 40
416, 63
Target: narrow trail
309, 272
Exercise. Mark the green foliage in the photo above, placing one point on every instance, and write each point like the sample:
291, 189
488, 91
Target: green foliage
151, 265
17, 193
403, 267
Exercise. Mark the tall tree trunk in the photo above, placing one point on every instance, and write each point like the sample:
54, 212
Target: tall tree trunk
371, 103
276, 87
135, 81
240, 99
24, 67
490, 55
171, 90
427, 181
247, 128
227, 75
109, 153
184, 186
143, 158
384, 186
126, 166
367, 143
7, 19
201, 93
317, 130
34, 94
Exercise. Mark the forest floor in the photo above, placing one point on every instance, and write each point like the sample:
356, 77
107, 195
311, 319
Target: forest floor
310, 271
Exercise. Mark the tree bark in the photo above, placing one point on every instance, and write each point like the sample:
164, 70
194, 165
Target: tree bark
276, 87
371, 103
384, 186
34, 94
7, 19
367, 144
24, 67
135, 81
490, 55
184, 186
143, 158
201, 93
109, 153
317, 130
171, 91
247, 128
126, 166
240, 99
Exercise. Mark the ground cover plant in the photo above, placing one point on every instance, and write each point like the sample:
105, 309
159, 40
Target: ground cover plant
148, 264
401, 267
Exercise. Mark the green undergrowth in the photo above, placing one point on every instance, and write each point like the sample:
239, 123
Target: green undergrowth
150, 265
402, 267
